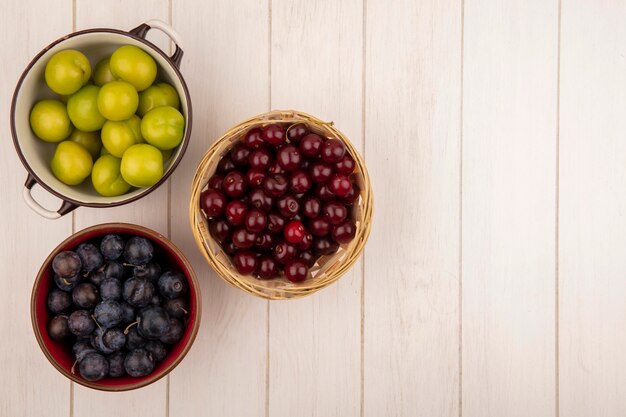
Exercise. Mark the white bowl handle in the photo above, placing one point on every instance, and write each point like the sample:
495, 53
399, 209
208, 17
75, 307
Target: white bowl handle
65, 208
142, 30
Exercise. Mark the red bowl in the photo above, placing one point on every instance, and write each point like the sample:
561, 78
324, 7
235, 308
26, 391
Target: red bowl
59, 353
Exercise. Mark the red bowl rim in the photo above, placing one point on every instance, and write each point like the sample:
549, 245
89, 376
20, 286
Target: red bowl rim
121, 228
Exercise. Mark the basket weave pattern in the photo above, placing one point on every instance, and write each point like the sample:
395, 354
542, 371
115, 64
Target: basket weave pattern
328, 268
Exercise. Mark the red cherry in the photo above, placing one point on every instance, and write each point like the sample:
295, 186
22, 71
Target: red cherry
319, 227
225, 165
235, 212
212, 202
275, 168
324, 246
275, 185
253, 139
260, 159
220, 229
275, 222
288, 157
239, 155
260, 200
333, 150
308, 258
323, 192
215, 182
288, 206
346, 165
234, 184
334, 212
255, 177
283, 251
300, 182
296, 132
352, 196
296, 270
243, 239
310, 145
294, 231
267, 267
321, 172
305, 243
343, 232
340, 185
245, 261
311, 207
255, 220
273, 134
229, 248
264, 241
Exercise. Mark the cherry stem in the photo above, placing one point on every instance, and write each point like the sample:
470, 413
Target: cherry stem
184, 311
97, 324
133, 265
74, 366
66, 282
129, 326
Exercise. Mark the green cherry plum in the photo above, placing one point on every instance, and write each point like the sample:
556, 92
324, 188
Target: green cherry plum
67, 71
142, 165
107, 178
117, 100
82, 107
88, 140
49, 121
134, 66
119, 136
157, 95
71, 163
102, 72
163, 127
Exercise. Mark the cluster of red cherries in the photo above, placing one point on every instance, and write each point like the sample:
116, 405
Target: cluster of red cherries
280, 200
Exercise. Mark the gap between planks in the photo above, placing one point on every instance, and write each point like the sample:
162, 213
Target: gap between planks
557, 410
363, 113
460, 301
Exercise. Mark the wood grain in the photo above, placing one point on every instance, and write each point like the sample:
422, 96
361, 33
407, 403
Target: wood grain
151, 211
412, 150
317, 340
509, 208
453, 309
33, 387
226, 64
591, 209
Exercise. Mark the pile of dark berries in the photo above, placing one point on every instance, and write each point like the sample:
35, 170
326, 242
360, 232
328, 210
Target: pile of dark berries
280, 199
115, 307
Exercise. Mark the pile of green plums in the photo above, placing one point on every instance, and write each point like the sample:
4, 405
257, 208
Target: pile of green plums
118, 126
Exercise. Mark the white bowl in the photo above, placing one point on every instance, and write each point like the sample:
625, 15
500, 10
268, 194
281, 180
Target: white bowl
36, 154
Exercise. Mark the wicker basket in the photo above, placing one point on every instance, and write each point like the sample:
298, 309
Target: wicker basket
328, 268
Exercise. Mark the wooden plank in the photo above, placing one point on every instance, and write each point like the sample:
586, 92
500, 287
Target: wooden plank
226, 65
412, 149
509, 208
317, 68
151, 211
27, 238
592, 230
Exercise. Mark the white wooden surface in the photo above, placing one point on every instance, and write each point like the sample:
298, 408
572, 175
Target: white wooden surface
509, 208
493, 283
